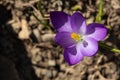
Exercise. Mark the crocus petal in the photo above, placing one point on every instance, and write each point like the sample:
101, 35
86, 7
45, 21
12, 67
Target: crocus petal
88, 47
78, 23
72, 55
60, 21
64, 39
96, 31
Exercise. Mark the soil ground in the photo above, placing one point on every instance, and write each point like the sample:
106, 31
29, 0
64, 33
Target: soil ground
28, 50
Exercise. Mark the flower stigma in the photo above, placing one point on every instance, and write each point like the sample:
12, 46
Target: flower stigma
75, 36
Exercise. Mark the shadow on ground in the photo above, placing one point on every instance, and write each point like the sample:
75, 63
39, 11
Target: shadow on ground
14, 63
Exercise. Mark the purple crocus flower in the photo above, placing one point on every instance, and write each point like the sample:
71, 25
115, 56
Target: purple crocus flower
78, 39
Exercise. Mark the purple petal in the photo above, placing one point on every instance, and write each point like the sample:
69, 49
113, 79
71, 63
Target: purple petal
96, 31
78, 23
88, 47
64, 39
60, 21
72, 55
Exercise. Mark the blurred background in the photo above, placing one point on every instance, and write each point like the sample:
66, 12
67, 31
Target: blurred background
28, 50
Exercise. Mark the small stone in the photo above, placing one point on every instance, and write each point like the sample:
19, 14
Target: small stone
54, 72
90, 20
51, 63
48, 37
63, 67
36, 36
24, 33
49, 73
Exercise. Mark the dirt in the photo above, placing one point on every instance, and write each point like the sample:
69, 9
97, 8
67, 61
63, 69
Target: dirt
28, 50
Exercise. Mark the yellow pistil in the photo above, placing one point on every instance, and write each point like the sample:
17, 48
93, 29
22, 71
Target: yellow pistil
75, 36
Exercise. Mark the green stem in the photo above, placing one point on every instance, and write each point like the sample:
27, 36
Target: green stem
100, 12
109, 48
42, 22
39, 8
99, 19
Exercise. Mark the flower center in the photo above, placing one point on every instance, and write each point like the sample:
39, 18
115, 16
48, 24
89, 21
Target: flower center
75, 36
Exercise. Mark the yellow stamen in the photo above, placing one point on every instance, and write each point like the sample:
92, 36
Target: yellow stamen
75, 36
